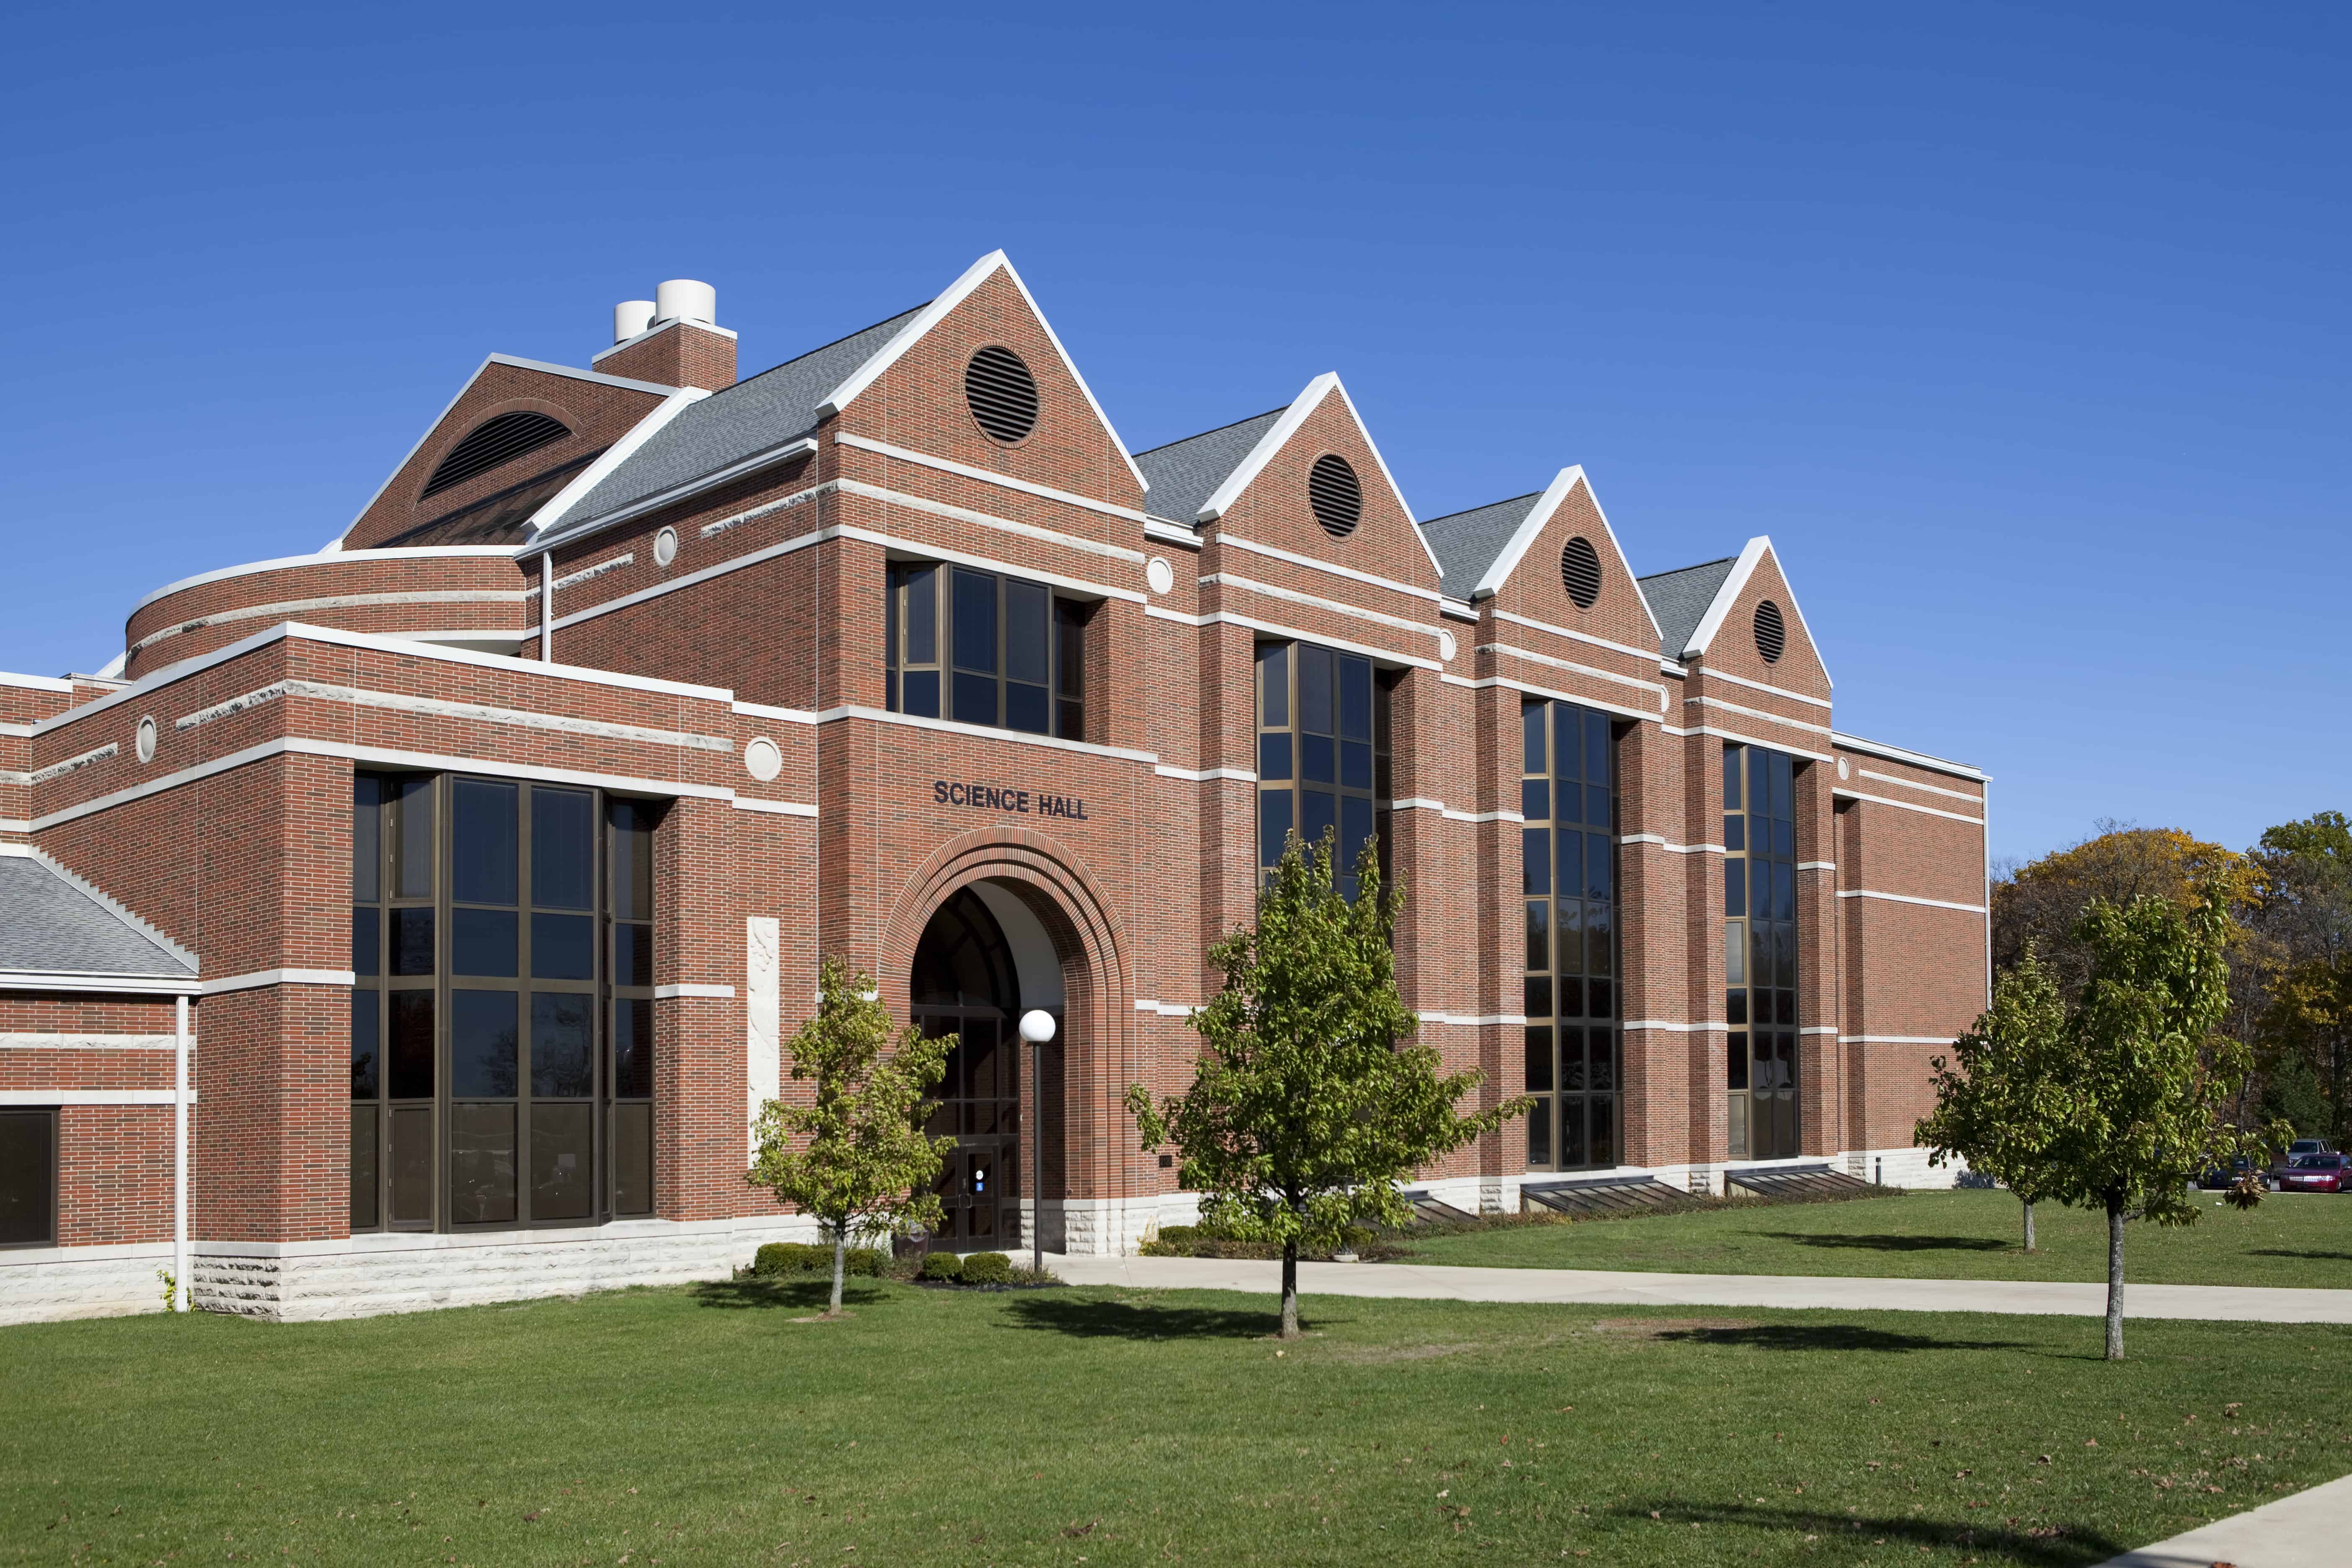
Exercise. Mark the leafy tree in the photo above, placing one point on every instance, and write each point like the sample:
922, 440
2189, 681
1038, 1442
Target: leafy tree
867, 1168
2305, 915
2152, 1082
1309, 1102
2002, 1099
2040, 903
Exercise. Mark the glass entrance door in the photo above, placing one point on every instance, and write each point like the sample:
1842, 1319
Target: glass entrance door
979, 1106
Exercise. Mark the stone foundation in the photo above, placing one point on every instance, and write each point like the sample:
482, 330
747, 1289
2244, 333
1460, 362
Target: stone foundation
50, 1284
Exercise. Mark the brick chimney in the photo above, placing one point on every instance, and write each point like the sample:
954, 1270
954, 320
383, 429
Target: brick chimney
673, 339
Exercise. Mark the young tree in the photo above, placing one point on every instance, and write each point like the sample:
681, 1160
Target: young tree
2003, 1100
2152, 1083
867, 1168
1311, 1102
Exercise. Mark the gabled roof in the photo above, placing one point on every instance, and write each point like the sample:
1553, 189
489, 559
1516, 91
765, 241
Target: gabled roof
52, 924
1277, 435
1467, 542
1184, 474
853, 386
711, 433
1727, 591
1536, 512
1678, 600
571, 372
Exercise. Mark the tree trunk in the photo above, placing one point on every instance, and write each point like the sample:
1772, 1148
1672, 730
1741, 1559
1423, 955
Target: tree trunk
840, 1252
1290, 1289
2114, 1276
2028, 1224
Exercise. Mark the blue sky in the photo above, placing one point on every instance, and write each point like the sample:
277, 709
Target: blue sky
2021, 330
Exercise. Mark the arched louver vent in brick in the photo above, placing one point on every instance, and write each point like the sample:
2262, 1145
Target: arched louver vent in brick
492, 443
1002, 393
1771, 632
1580, 571
1338, 498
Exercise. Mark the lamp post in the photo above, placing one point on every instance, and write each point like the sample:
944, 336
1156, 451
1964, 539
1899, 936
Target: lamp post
1036, 1029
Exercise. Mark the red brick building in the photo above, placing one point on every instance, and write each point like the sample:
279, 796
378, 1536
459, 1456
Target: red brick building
474, 868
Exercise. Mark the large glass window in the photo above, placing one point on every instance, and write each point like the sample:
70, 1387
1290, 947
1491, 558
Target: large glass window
1322, 752
1760, 951
29, 1176
1568, 883
983, 649
502, 1043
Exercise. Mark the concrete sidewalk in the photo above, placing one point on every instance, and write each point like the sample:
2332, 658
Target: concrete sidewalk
2216, 1303
2306, 1531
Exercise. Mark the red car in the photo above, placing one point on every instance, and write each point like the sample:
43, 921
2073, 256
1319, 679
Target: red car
2313, 1173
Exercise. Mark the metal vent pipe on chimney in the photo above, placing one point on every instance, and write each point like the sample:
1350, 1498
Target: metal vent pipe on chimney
631, 317
685, 299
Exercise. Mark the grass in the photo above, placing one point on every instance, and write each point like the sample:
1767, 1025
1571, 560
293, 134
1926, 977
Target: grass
707, 1424
2300, 1239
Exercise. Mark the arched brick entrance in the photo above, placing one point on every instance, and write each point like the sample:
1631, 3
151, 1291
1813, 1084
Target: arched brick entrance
1100, 1165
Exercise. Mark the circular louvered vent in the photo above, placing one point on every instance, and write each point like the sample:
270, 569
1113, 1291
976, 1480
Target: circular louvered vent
1002, 393
1580, 571
1771, 632
1338, 498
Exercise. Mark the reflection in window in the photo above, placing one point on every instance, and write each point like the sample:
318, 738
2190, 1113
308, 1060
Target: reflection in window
1760, 951
1568, 858
1322, 753
482, 1091
982, 649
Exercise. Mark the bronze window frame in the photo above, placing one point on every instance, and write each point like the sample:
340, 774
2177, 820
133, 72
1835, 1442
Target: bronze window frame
1577, 1091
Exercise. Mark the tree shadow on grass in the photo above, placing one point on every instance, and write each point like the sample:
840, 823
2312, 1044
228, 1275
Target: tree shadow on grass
2289, 1252
1884, 1243
1827, 1337
766, 1295
2068, 1547
1096, 1320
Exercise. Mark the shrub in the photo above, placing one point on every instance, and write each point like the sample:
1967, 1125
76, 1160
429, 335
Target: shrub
987, 1269
943, 1266
800, 1258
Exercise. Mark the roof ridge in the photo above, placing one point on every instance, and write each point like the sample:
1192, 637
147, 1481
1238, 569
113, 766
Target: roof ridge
1212, 430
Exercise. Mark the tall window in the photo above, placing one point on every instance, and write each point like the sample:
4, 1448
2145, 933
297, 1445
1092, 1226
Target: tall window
981, 649
501, 1056
1567, 877
1760, 951
1322, 752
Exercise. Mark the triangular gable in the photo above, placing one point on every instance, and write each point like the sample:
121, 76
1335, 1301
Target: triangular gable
1750, 558
1279, 437
978, 272
569, 371
1562, 486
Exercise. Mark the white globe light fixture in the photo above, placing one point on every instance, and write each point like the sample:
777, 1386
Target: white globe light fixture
1036, 1029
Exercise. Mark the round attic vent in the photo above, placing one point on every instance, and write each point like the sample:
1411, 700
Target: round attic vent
1338, 498
1002, 393
1580, 571
1771, 632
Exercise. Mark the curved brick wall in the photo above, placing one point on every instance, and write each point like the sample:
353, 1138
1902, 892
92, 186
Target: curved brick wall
360, 591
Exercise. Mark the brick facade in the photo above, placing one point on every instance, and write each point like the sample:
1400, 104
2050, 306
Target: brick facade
270, 685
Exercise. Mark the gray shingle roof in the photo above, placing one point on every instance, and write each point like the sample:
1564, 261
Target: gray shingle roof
1184, 474
770, 408
1679, 599
49, 925
1468, 542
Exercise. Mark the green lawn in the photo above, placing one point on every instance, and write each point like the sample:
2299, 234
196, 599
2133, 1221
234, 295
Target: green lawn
706, 1425
2300, 1239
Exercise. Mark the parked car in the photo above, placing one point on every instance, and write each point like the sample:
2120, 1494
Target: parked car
2309, 1146
2221, 1177
2315, 1174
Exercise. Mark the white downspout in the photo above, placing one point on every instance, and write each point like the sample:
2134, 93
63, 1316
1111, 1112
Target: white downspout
180, 1260
547, 607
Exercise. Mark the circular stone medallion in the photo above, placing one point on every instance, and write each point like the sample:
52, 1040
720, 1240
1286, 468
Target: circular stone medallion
761, 759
